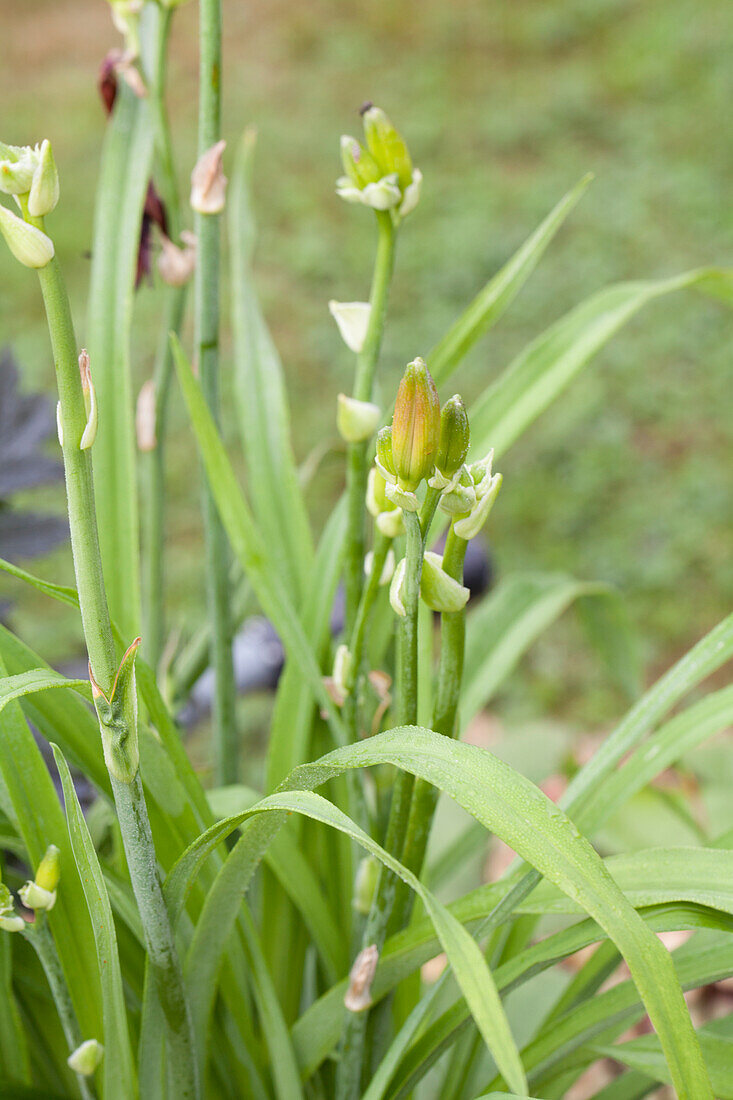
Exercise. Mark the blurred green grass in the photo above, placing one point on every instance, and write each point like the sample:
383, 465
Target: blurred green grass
505, 105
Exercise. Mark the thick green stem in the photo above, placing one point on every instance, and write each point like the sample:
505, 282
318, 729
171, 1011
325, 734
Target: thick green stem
207, 357
40, 938
162, 955
135, 827
356, 461
353, 1038
450, 675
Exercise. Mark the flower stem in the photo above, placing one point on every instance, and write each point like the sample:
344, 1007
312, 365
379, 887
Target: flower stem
450, 675
359, 633
39, 937
207, 357
129, 798
356, 462
349, 1074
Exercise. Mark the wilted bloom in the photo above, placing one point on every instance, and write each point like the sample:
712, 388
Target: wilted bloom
176, 265
208, 182
86, 1058
415, 426
145, 417
361, 975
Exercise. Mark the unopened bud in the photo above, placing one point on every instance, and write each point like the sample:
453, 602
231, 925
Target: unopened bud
437, 589
44, 191
343, 665
176, 265
86, 1058
387, 146
384, 459
365, 884
388, 567
391, 524
396, 594
145, 417
208, 182
415, 426
90, 401
28, 244
358, 995
459, 494
359, 165
352, 319
487, 486
34, 896
17, 164
48, 871
9, 919
454, 437
356, 420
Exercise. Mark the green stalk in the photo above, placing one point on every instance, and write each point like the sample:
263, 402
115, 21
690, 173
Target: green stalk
359, 633
351, 1064
450, 675
129, 798
356, 459
207, 356
152, 463
39, 937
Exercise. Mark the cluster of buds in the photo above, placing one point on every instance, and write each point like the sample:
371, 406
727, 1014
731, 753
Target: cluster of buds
379, 174
29, 174
9, 919
40, 892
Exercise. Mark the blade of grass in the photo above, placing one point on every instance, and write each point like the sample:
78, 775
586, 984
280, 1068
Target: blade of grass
543, 369
277, 498
117, 1067
498, 294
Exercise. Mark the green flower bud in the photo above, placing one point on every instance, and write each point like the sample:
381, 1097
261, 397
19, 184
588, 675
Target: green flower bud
343, 666
365, 884
36, 897
391, 524
44, 190
9, 919
359, 165
454, 437
28, 244
86, 1058
438, 590
356, 420
415, 426
396, 595
17, 165
459, 495
487, 486
48, 871
384, 459
387, 146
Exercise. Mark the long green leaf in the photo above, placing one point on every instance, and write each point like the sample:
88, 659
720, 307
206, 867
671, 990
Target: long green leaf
247, 542
549, 363
277, 498
34, 810
463, 953
505, 625
117, 1067
64, 593
644, 1054
125, 171
514, 809
14, 1063
38, 679
498, 294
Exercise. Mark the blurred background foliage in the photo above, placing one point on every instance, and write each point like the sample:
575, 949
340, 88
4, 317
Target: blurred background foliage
505, 105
